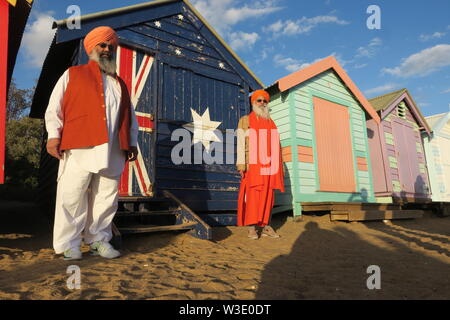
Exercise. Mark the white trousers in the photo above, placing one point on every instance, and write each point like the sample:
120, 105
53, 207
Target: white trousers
85, 206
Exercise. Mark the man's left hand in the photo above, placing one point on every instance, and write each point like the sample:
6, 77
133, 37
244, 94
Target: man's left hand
132, 153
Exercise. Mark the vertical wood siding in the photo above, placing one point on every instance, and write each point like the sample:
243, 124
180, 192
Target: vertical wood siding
303, 135
334, 147
437, 149
406, 158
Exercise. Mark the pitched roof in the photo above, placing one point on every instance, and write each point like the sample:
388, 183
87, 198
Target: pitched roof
66, 42
432, 120
381, 102
439, 121
387, 102
145, 5
313, 70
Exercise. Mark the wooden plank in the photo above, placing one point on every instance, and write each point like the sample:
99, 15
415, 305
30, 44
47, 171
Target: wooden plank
220, 220
322, 207
144, 229
384, 215
338, 206
364, 206
335, 217
146, 213
202, 229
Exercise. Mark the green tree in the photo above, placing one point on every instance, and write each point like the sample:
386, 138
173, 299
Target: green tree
23, 146
19, 101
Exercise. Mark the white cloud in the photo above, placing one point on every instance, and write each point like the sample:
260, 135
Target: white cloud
446, 91
382, 89
222, 14
360, 66
37, 38
302, 25
264, 53
369, 50
242, 40
290, 64
422, 63
427, 37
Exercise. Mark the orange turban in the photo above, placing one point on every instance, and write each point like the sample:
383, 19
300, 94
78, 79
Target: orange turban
259, 93
99, 35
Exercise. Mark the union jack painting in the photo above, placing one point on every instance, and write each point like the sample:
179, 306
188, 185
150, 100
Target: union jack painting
135, 77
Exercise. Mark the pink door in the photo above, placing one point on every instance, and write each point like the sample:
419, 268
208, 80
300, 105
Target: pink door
334, 147
408, 164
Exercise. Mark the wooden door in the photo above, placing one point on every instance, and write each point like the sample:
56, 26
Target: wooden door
138, 70
334, 147
405, 145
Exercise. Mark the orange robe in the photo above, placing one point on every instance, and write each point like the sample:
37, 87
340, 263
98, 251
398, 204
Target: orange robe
256, 193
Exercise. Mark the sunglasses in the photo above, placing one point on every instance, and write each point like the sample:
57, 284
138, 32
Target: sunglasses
104, 45
261, 100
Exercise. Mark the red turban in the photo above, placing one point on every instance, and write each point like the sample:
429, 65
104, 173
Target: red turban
259, 93
99, 35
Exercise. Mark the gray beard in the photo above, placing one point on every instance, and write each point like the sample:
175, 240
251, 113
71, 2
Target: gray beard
261, 112
107, 65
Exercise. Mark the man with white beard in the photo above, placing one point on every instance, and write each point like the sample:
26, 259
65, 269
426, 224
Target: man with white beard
92, 129
260, 166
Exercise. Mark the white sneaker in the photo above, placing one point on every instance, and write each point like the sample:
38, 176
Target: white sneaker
104, 249
73, 254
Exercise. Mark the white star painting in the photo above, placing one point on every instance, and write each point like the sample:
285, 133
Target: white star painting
203, 129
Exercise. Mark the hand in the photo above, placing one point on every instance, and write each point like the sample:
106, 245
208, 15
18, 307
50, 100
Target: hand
53, 148
241, 172
132, 153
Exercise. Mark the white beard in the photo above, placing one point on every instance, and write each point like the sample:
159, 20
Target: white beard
106, 65
261, 111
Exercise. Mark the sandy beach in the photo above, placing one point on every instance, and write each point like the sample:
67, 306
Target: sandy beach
314, 259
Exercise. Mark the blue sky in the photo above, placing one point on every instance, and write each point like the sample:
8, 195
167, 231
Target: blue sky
277, 37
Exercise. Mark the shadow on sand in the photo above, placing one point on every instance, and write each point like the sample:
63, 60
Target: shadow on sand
332, 263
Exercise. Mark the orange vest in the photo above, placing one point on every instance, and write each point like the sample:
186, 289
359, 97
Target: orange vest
83, 107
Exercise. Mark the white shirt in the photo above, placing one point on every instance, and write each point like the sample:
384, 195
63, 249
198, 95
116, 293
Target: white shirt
106, 159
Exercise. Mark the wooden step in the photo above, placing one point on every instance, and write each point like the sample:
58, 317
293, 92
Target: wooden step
153, 228
147, 213
369, 215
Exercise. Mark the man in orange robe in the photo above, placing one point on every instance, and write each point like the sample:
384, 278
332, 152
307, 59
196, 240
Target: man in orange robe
260, 165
